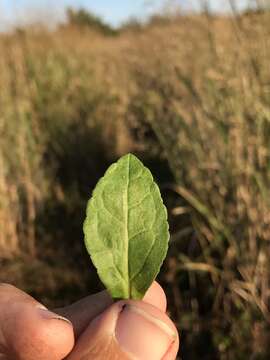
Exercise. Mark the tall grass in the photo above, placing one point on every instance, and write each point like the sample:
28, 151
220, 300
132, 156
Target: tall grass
192, 91
208, 104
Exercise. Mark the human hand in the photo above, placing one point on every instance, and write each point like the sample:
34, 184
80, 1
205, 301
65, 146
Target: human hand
93, 328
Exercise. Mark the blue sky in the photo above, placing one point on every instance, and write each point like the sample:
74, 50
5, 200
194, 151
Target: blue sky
113, 11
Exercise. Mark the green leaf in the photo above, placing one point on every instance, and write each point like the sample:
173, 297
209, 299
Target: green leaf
126, 228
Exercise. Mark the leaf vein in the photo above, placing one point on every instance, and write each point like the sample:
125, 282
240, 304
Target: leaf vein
139, 233
109, 212
140, 202
108, 251
141, 268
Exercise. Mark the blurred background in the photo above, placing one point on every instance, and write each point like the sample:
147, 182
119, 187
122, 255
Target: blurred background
184, 85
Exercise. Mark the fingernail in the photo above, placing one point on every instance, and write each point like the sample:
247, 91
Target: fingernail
49, 315
142, 335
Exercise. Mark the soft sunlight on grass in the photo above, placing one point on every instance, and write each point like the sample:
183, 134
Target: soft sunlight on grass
193, 92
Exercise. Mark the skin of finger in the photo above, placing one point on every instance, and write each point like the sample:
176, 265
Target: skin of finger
156, 296
8, 291
84, 311
99, 342
9, 294
26, 335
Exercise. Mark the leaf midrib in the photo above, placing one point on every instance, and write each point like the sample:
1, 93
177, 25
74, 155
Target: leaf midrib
126, 232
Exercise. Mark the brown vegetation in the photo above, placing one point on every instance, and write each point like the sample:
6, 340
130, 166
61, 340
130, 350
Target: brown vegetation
193, 93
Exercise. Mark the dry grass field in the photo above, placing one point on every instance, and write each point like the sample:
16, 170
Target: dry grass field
191, 97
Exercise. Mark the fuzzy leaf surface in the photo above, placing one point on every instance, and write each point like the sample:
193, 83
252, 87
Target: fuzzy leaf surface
126, 228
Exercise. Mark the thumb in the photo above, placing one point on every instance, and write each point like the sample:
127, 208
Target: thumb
128, 330
28, 331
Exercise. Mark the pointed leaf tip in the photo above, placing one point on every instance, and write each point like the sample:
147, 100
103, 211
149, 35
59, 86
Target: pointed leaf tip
126, 229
